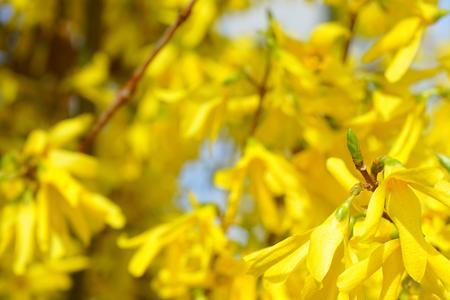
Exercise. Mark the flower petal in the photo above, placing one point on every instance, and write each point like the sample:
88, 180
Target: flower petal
259, 261
403, 58
399, 36
280, 271
341, 173
24, 234
374, 213
324, 241
357, 273
404, 209
392, 276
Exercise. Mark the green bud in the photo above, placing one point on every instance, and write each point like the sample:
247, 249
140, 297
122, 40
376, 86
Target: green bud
394, 234
356, 189
341, 212
353, 147
377, 166
444, 160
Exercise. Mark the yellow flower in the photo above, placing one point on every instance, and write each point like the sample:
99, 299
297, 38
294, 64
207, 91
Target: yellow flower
319, 251
388, 257
270, 176
396, 192
51, 207
403, 40
41, 279
189, 243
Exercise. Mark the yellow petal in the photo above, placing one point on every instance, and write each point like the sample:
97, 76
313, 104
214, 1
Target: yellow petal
374, 213
70, 129
392, 276
258, 262
280, 168
419, 176
126, 242
145, 254
266, 204
43, 218
403, 58
241, 105
439, 264
278, 291
70, 264
76, 163
326, 34
341, 173
292, 64
399, 36
7, 227
24, 237
65, 184
234, 198
154, 240
76, 219
199, 121
104, 207
36, 143
404, 209
440, 192
408, 137
280, 271
355, 275
386, 105
432, 287
324, 241
369, 117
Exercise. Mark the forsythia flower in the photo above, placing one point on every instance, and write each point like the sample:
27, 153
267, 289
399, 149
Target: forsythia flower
41, 279
44, 203
318, 253
399, 189
252, 124
398, 193
189, 243
404, 40
271, 176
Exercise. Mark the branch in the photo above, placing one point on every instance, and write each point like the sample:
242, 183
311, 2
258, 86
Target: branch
262, 91
127, 91
372, 184
351, 29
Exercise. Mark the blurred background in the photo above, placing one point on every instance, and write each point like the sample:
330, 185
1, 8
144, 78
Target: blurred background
64, 58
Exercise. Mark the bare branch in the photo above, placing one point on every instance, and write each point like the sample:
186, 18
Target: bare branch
351, 29
127, 91
262, 91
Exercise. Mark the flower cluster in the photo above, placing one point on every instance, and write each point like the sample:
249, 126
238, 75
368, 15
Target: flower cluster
267, 167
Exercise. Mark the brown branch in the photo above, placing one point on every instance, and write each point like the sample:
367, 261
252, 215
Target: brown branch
127, 91
262, 91
351, 29
371, 183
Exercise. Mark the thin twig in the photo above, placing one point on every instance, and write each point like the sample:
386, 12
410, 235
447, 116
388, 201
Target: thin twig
250, 79
351, 29
127, 91
262, 91
371, 183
